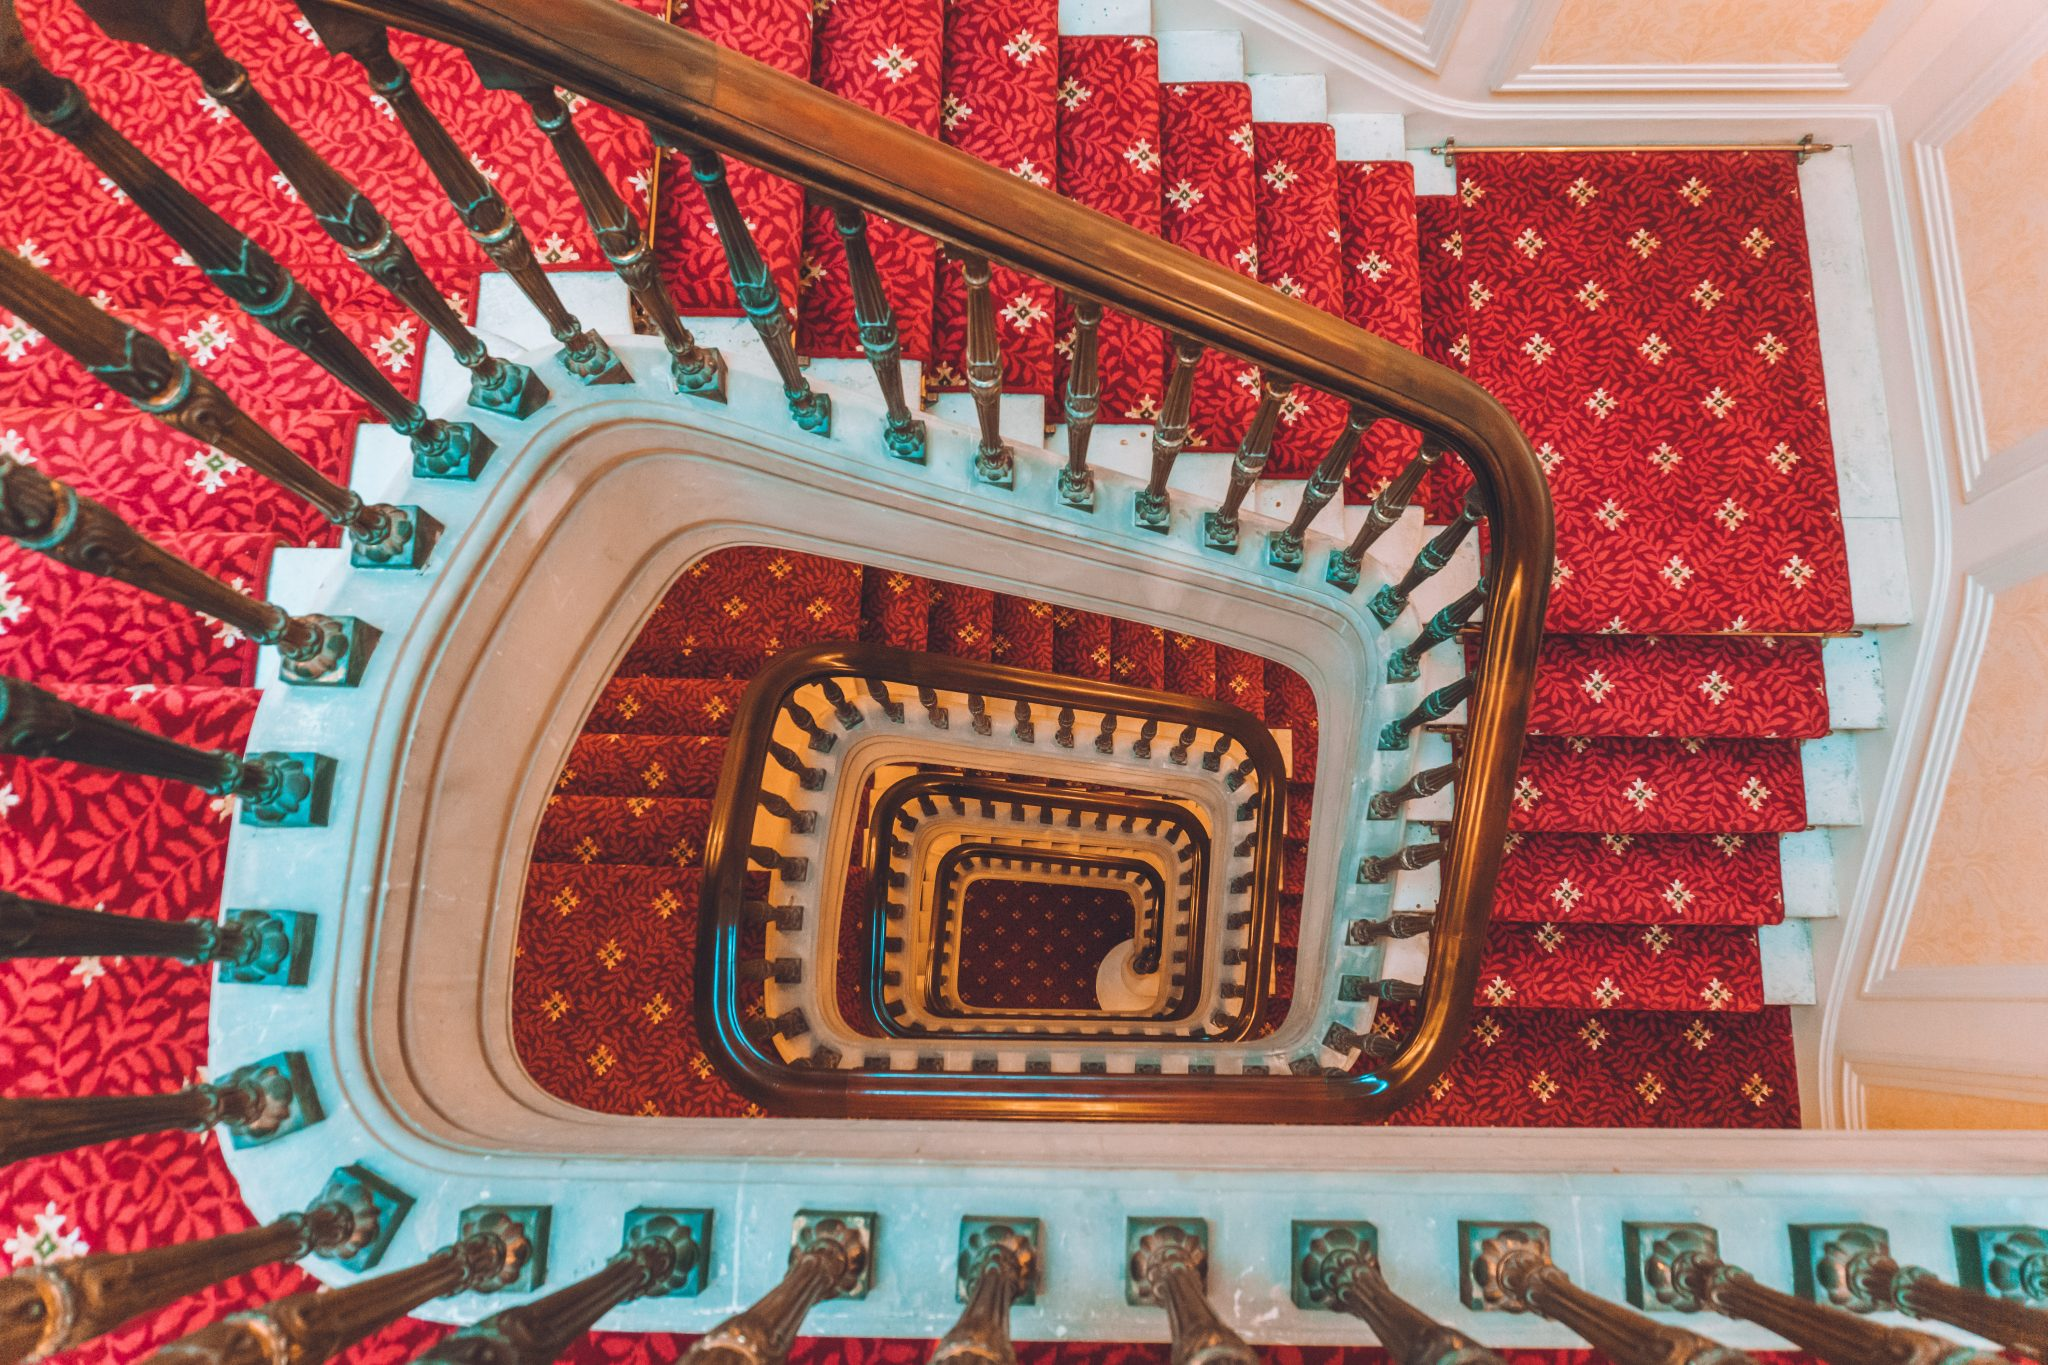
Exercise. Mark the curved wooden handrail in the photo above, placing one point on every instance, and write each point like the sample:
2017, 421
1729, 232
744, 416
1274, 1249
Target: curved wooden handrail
692, 92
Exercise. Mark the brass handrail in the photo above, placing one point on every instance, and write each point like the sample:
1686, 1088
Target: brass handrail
692, 91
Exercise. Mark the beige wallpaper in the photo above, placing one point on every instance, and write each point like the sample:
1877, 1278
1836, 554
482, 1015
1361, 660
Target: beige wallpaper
1887, 1106
2001, 221
1980, 899
1689, 32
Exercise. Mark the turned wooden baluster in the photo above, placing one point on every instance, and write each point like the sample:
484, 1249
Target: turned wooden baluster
178, 29
1428, 782
256, 944
1438, 704
1283, 548
143, 370
263, 1100
1170, 1268
380, 534
1153, 509
64, 1304
305, 1329
1219, 528
1855, 1270
879, 340
1400, 924
55, 519
1405, 663
1387, 603
830, 1259
695, 370
1381, 517
998, 1267
1339, 1271
275, 788
993, 462
661, 1255
755, 288
1509, 1269
476, 201
1083, 402
1683, 1271
1411, 858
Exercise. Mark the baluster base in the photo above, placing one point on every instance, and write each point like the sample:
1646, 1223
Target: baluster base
1316, 1243
1077, 490
1393, 738
1152, 512
590, 358
281, 948
408, 536
682, 1229
1652, 1251
524, 1229
703, 376
1482, 1250
338, 656
1283, 550
300, 797
905, 441
450, 450
512, 390
1386, 606
1403, 668
379, 1207
1343, 570
996, 465
811, 410
290, 1104
1220, 532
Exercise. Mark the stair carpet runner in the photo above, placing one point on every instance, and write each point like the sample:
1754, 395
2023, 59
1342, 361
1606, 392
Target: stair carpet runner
1462, 282
601, 989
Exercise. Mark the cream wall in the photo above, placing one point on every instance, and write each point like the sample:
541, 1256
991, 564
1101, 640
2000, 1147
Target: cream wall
1886, 1106
1699, 32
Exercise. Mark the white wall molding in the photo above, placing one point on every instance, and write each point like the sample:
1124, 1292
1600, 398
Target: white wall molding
1931, 1075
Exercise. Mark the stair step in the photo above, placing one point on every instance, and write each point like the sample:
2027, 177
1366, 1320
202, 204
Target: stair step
962, 621
1211, 197
1192, 55
66, 625
161, 481
656, 897
1659, 786
895, 609
1669, 879
1023, 632
602, 764
1446, 333
1300, 254
730, 613
1109, 160
1382, 294
658, 831
886, 56
1372, 137
1620, 966
1002, 91
1288, 99
640, 704
1083, 644
1694, 686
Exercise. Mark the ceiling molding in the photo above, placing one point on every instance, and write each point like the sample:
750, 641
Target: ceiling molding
1423, 44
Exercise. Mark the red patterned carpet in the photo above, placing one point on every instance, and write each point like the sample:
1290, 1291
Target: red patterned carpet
1027, 945
1646, 318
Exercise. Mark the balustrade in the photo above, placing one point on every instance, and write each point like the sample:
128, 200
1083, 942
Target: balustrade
1367, 988
1169, 1268
261, 1102
821, 740
1337, 1268
1388, 602
483, 211
831, 1256
1083, 403
1400, 924
1153, 510
994, 462
1681, 1270
1506, 1267
500, 1249
998, 1267
59, 1305
1219, 528
143, 370
844, 711
1382, 516
879, 341
1283, 548
1426, 782
55, 519
178, 29
276, 789
1411, 858
1433, 707
380, 534
1024, 731
2005, 1271
252, 947
664, 1254
1405, 664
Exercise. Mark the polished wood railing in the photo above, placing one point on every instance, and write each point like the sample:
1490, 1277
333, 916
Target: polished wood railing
711, 104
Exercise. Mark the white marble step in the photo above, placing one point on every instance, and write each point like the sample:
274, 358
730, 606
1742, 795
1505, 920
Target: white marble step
1090, 17
1201, 55
1289, 98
